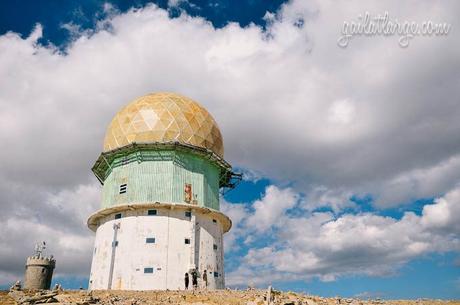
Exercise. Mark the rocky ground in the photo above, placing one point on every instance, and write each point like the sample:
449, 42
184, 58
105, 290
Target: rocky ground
230, 297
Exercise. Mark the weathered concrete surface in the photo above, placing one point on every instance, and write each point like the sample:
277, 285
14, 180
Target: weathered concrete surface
230, 297
121, 253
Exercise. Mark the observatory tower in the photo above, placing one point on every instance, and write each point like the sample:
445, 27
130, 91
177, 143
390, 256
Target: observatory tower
161, 171
39, 269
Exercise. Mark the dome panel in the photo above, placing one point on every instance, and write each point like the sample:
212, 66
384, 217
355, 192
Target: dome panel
164, 117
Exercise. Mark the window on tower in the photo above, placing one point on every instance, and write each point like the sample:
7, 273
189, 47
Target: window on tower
123, 188
150, 240
188, 214
118, 216
151, 212
216, 274
187, 241
214, 247
148, 270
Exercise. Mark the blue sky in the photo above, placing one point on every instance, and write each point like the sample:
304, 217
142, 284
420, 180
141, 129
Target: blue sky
53, 14
351, 155
429, 276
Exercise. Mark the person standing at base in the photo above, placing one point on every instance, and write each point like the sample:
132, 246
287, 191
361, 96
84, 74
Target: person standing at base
205, 279
186, 279
194, 279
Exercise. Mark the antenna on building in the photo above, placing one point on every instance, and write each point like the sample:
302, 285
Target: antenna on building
229, 181
39, 248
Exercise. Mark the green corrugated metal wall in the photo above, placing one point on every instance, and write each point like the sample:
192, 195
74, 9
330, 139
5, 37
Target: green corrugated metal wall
160, 176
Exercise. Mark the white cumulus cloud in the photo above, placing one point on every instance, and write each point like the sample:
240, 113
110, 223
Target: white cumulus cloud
321, 245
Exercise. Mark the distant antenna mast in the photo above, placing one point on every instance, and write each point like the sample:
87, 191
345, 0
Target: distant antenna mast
39, 248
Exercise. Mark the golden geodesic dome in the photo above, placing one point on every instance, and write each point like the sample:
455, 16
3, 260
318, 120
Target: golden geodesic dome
164, 117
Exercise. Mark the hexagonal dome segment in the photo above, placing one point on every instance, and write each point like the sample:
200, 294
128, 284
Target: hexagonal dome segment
164, 117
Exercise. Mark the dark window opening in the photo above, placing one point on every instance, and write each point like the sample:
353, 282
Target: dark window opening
214, 247
148, 270
150, 240
188, 214
214, 221
152, 212
115, 243
216, 274
187, 241
123, 188
118, 216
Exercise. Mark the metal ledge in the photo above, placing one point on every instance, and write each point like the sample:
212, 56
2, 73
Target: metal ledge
104, 163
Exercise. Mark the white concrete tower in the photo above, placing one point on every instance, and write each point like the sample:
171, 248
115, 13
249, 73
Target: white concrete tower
161, 171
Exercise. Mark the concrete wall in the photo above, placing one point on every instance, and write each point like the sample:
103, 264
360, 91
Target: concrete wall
160, 176
169, 256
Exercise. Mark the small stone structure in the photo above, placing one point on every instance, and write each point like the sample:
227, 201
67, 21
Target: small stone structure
39, 270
